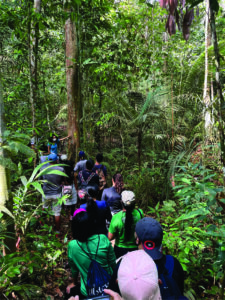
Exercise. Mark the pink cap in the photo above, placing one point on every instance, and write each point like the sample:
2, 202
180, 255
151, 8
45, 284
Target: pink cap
78, 211
138, 277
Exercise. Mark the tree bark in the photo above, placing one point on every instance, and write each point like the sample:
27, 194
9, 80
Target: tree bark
72, 83
218, 84
33, 37
206, 94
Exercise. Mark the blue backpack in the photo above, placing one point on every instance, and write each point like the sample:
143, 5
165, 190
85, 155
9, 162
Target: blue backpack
97, 277
169, 289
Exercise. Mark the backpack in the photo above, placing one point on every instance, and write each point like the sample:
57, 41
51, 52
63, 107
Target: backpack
84, 184
102, 179
169, 289
97, 277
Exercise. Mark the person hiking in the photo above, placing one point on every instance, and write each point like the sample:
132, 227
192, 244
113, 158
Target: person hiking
86, 250
53, 143
80, 166
98, 210
112, 195
137, 278
87, 178
149, 236
101, 170
123, 224
53, 190
68, 187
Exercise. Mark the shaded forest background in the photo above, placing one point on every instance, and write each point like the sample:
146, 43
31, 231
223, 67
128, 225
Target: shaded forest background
143, 83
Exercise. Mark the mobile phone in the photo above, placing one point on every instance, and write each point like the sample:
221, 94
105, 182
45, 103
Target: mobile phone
106, 297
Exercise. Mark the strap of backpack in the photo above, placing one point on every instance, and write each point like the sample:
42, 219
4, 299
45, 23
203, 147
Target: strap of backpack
169, 265
139, 213
88, 253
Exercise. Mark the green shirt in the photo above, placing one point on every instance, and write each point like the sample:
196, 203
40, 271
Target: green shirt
117, 227
79, 260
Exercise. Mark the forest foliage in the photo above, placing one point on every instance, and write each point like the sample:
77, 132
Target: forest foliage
140, 94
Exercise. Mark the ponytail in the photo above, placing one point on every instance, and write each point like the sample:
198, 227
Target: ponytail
118, 181
129, 221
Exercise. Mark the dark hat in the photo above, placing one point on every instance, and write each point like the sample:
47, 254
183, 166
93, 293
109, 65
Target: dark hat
150, 234
81, 154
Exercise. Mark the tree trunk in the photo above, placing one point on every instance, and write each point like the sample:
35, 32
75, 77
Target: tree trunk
72, 84
139, 147
218, 85
33, 37
206, 94
5, 199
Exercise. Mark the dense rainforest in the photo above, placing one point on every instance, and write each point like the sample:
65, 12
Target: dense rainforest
141, 81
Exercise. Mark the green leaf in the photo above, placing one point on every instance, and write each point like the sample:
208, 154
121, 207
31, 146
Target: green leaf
38, 187
24, 180
186, 180
5, 210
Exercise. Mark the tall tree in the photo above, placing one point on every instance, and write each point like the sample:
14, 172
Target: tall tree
72, 84
33, 37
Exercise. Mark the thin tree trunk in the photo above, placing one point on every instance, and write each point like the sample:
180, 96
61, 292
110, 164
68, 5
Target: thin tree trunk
33, 37
139, 147
218, 84
206, 95
5, 199
72, 87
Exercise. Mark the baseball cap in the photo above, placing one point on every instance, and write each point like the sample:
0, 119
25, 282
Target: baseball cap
52, 157
150, 234
127, 197
138, 277
81, 154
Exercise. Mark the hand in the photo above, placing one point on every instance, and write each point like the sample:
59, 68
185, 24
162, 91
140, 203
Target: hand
74, 298
114, 295
70, 286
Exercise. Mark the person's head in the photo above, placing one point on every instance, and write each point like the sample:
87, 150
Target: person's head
93, 191
82, 227
117, 181
89, 164
138, 277
81, 155
128, 199
149, 234
99, 158
52, 158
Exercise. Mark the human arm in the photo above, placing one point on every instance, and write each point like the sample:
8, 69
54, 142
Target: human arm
67, 137
111, 257
111, 236
75, 181
49, 148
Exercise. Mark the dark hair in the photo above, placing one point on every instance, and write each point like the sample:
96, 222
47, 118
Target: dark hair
89, 164
82, 227
93, 191
129, 221
92, 210
99, 157
118, 180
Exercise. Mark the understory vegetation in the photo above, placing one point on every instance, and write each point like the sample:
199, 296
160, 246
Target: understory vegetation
117, 78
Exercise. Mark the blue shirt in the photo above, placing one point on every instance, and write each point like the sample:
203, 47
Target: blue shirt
113, 199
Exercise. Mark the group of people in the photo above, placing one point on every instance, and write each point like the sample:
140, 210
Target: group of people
115, 252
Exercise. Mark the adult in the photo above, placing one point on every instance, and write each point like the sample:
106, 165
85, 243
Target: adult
123, 224
99, 211
80, 166
53, 143
137, 278
85, 246
68, 188
53, 190
149, 236
101, 170
112, 195
87, 178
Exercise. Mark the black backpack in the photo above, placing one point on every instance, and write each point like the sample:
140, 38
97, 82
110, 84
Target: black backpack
97, 277
169, 289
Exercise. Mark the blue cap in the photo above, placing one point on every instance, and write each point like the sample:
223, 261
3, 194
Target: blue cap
52, 157
81, 154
